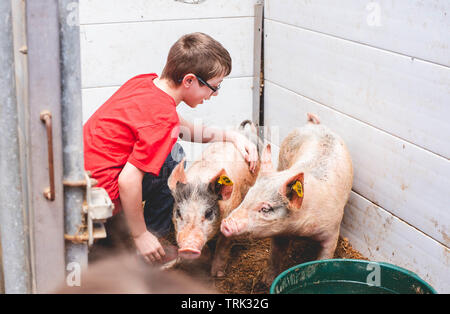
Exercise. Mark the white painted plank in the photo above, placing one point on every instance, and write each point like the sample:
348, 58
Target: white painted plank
112, 53
114, 11
408, 181
380, 236
93, 98
228, 109
405, 97
412, 27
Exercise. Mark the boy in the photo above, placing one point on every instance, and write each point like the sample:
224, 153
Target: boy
131, 135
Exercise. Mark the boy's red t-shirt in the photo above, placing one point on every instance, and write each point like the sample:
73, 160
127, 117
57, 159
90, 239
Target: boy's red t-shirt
138, 124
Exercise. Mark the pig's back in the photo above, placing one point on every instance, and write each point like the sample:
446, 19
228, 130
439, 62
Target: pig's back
224, 155
318, 151
220, 155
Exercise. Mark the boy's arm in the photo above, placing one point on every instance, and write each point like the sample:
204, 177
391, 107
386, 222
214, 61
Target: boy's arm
130, 189
203, 134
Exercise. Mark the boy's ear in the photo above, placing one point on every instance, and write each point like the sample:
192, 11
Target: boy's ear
222, 185
188, 79
177, 175
294, 190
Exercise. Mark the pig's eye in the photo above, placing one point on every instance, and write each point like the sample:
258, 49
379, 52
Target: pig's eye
209, 213
266, 208
178, 213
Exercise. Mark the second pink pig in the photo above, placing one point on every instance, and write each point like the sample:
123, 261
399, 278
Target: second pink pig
305, 197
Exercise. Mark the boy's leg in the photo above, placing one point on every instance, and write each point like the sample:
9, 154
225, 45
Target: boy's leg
156, 194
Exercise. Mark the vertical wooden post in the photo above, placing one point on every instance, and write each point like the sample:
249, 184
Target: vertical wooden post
258, 69
44, 93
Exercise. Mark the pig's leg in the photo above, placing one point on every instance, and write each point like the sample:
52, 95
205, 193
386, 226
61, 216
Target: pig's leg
221, 255
279, 249
328, 246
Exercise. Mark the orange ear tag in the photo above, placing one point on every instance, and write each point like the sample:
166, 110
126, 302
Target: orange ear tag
225, 180
297, 187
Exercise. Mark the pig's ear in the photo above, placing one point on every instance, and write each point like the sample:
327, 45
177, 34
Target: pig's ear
293, 189
222, 185
177, 175
266, 160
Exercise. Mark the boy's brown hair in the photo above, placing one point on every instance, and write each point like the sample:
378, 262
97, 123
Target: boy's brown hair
199, 54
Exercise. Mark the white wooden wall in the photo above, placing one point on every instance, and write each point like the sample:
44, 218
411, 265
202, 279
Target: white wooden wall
377, 73
121, 39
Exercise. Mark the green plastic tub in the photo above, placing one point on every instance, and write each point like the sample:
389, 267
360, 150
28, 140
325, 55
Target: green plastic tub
349, 276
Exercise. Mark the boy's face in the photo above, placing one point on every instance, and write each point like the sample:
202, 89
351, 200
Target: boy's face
194, 92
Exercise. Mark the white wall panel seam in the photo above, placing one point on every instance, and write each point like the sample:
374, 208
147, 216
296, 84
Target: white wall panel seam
357, 42
400, 219
109, 86
170, 20
347, 115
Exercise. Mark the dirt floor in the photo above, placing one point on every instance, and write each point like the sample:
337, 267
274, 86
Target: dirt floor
248, 260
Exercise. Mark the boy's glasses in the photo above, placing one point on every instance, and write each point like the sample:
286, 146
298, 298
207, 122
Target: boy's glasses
214, 89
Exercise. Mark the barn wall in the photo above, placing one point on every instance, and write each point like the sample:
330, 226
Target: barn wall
377, 73
121, 39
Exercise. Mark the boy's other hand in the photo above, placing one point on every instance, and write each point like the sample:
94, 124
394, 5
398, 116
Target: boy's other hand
247, 149
149, 247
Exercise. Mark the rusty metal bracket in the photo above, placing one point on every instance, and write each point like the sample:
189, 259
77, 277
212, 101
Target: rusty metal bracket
83, 236
96, 209
79, 183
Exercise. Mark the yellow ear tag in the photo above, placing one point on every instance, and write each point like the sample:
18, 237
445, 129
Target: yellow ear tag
297, 187
225, 180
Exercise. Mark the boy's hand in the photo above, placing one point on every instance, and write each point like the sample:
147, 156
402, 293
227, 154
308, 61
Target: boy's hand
247, 149
150, 248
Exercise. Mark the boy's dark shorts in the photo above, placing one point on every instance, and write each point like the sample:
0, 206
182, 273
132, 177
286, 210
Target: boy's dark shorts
157, 196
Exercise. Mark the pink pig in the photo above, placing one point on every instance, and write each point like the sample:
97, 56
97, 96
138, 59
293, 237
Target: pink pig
305, 197
206, 193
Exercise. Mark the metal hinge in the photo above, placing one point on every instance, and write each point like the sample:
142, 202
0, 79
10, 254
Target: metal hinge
96, 209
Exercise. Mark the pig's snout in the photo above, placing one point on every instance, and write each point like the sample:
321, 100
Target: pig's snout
225, 229
190, 241
230, 226
189, 253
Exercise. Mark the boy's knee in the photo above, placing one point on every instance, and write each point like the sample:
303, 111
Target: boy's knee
174, 158
177, 153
